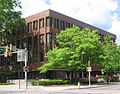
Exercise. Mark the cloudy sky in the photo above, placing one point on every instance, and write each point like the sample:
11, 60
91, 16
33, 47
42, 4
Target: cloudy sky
104, 14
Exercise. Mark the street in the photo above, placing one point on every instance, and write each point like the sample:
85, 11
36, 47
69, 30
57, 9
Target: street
99, 90
108, 89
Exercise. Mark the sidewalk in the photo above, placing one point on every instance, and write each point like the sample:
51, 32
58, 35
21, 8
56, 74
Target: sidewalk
52, 88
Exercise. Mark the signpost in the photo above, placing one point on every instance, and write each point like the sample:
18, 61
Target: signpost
26, 57
22, 55
89, 69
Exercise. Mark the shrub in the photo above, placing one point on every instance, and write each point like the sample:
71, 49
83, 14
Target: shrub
102, 76
86, 80
49, 82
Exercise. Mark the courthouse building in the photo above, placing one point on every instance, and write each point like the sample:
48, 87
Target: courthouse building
39, 37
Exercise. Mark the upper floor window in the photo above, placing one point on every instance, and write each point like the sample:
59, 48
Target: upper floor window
67, 25
57, 23
42, 47
49, 21
101, 37
41, 23
49, 41
29, 27
35, 25
61, 24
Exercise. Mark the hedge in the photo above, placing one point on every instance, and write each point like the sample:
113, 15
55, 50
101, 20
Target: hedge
49, 82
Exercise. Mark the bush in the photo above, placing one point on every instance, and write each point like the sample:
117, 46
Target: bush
86, 80
102, 76
49, 82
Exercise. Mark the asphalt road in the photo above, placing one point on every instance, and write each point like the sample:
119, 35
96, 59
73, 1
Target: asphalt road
114, 89
99, 90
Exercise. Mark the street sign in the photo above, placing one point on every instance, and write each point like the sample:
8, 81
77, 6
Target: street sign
89, 69
20, 56
26, 68
10, 67
14, 48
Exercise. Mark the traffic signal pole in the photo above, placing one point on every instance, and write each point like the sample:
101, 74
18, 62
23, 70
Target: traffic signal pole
26, 66
26, 59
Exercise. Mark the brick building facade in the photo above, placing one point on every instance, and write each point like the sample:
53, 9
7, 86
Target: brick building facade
39, 37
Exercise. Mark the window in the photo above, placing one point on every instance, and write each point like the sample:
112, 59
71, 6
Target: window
42, 47
61, 24
55, 42
29, 26
41, 23
49, 21
67, 25
35, 25
71, 25
101, 37
49, 41
55, 23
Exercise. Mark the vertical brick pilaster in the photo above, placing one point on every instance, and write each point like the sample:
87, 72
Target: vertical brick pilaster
38, 46
32, 48
38, 40
45, 46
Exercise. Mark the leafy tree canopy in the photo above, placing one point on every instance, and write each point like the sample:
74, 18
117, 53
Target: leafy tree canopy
10, 19
75, 48
111, 56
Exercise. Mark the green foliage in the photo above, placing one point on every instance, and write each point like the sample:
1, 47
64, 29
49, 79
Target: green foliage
3, 76
102, 76
86, 80
49, 82
75, 47
111, 57
10, 19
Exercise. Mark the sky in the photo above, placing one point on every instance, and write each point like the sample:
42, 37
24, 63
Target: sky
104, 14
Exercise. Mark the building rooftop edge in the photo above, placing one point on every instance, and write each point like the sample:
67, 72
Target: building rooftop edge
48, 10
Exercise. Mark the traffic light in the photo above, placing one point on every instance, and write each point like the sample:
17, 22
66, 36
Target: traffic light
9, 53
6, 50
11, 48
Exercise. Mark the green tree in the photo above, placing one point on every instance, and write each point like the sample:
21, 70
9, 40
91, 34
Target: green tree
75, 48
10, 20
111, 56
